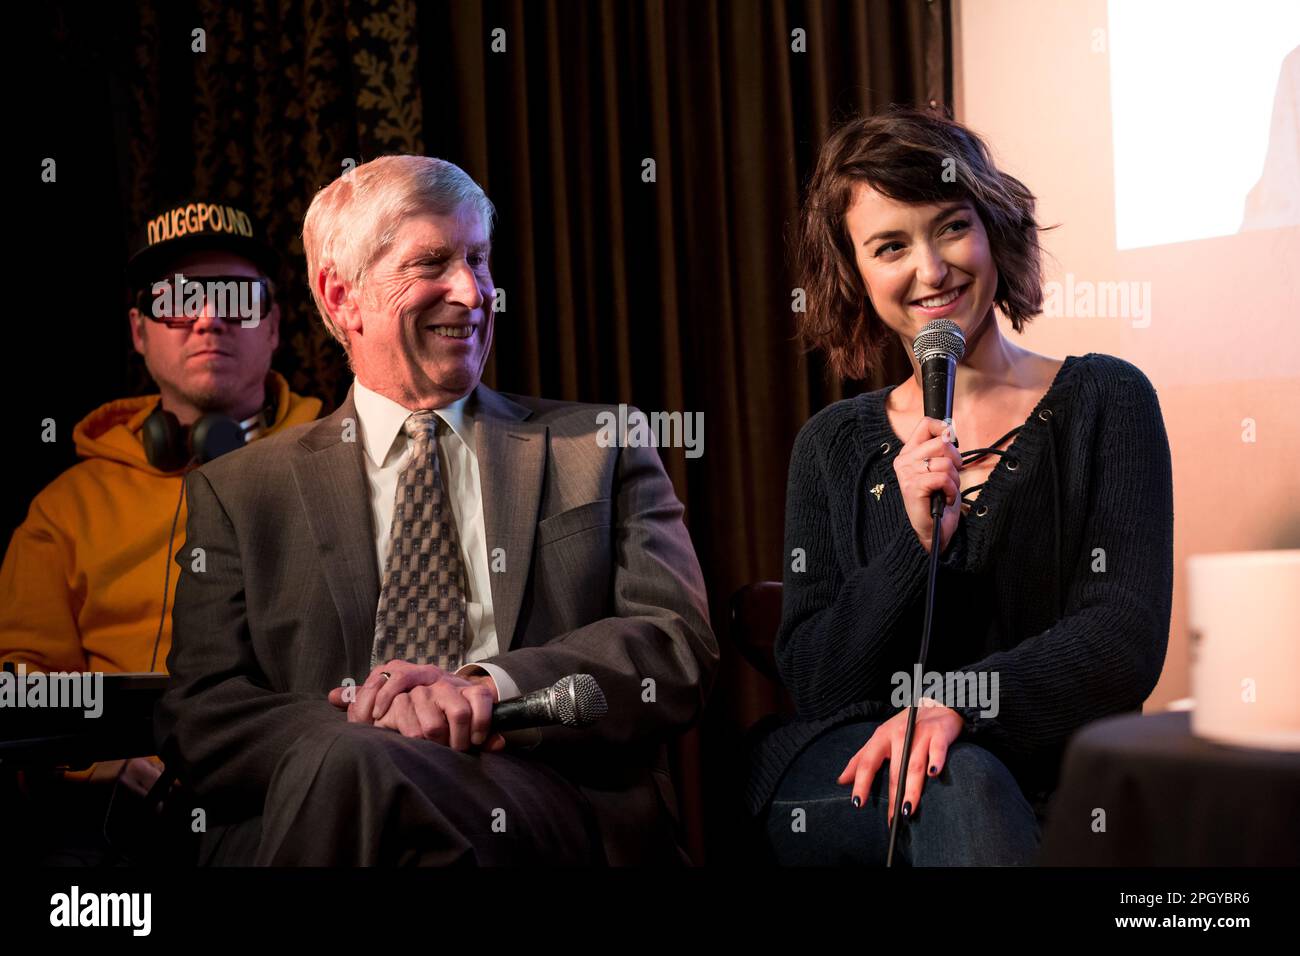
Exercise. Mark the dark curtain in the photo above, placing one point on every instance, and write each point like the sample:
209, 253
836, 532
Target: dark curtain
670, 291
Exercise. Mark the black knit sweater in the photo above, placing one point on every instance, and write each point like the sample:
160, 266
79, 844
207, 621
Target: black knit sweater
1059, 578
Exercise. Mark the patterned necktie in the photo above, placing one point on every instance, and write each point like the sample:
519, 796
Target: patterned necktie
421, 615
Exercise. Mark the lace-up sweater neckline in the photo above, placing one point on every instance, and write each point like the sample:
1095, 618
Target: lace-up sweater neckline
1055, 588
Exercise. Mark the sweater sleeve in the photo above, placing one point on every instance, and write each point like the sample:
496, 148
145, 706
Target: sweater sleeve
836, 629
1106, 653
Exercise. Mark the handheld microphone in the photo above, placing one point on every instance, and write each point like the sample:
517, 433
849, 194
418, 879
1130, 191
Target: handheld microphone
573, 701
938, 348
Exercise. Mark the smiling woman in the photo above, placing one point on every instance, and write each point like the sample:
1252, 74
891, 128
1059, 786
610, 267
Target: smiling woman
941, 178
906, 221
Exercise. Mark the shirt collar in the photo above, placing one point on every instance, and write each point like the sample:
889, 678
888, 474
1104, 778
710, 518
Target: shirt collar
381, 421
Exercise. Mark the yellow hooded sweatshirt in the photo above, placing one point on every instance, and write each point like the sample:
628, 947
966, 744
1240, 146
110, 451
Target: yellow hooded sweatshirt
81, 587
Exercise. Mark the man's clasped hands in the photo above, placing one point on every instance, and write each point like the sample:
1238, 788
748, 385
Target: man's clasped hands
425, 701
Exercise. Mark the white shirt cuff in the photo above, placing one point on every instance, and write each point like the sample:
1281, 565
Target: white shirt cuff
506, 688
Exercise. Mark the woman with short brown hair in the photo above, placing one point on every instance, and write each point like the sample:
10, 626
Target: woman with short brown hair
1054, 585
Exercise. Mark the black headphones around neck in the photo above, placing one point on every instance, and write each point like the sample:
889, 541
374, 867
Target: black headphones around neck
171, 446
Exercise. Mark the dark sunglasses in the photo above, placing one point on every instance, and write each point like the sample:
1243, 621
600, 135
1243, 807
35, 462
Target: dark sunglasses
178, 305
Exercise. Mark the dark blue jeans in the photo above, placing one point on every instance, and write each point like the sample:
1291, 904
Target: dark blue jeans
972, 814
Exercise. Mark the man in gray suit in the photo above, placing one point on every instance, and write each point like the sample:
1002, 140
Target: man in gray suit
356, 593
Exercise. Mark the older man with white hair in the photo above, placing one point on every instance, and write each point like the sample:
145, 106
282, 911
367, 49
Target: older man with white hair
373, 583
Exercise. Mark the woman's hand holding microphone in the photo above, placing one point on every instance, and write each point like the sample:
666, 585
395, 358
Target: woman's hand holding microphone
928, 462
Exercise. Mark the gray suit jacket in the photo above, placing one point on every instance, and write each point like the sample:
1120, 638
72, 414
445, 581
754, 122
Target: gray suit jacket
600, 577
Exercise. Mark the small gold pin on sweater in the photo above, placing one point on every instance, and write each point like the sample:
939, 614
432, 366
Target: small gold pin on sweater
877, 490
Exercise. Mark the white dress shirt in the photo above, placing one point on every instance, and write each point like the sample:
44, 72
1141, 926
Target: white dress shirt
387, 450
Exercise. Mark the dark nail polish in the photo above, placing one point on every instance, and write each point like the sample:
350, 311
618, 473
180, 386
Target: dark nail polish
907, 809
857, 801
933, 771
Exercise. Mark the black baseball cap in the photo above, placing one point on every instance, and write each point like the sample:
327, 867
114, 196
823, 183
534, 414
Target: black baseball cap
195, 225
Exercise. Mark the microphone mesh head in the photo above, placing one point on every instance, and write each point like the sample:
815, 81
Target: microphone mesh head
579, 700
939, 337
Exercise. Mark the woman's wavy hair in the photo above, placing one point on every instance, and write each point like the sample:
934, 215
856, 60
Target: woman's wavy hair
911, 156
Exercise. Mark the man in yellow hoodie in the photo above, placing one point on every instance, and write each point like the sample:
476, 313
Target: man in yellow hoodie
86, 583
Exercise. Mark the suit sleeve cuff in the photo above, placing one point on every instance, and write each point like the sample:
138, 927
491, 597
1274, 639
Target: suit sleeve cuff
506, 688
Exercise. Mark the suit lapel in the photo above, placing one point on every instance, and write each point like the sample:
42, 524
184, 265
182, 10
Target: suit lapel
512, 470
331, 479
